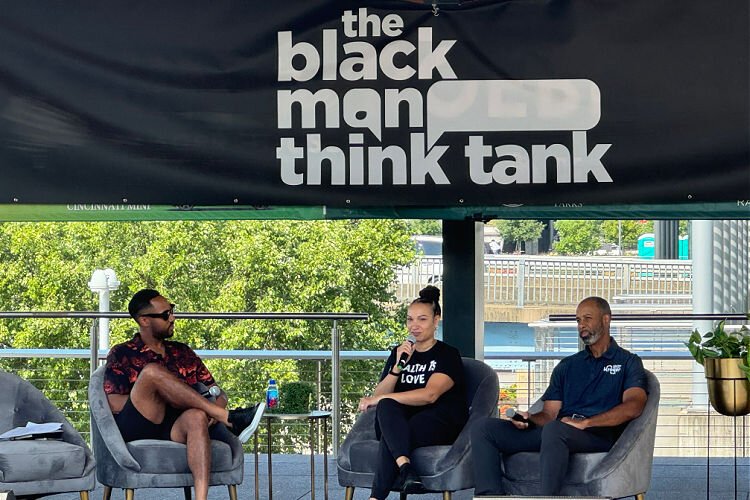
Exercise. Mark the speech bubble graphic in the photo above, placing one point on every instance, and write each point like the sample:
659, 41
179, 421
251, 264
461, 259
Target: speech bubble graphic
362, 109
511, 105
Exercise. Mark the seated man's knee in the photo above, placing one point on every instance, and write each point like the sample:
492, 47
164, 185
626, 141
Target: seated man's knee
555, 429
479, 429
152, 371
195, 418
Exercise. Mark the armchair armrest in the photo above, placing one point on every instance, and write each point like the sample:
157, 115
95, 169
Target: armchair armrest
104, 429
363, 430
37, 408
484, 404
636, 443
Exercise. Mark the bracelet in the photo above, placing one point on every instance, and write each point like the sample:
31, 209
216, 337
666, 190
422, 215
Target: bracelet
394, 373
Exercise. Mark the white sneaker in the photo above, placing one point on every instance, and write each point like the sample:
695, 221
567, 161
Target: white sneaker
245, 421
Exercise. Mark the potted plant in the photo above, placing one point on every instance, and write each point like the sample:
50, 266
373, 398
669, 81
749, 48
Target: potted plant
725, 357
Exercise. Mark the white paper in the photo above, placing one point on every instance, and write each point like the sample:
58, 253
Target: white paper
31, 429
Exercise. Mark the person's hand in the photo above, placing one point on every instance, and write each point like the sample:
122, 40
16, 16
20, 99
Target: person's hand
521, 425
578, 423
406, 347
367, 402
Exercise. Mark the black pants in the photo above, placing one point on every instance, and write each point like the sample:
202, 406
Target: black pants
492, 437
400, 429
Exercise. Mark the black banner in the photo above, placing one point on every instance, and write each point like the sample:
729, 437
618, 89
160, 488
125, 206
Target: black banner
374, 104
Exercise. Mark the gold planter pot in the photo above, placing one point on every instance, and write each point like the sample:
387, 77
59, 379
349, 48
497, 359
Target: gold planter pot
728, 387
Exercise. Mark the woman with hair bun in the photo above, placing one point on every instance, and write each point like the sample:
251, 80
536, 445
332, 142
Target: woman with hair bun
419, 402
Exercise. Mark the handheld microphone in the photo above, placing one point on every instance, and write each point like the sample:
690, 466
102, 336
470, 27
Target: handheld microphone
402, 360
210, 393
512, 414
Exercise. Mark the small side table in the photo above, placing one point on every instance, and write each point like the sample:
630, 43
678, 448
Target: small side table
314, 418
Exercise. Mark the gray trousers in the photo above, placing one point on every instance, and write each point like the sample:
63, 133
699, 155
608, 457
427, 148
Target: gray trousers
492, 437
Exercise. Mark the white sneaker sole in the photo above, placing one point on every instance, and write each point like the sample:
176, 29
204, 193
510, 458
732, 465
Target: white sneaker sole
250, 429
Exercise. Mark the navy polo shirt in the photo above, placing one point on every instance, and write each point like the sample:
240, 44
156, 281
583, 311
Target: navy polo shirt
589, 386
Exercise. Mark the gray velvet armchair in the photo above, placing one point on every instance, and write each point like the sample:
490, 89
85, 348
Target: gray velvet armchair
153, 463
37, 468
624, 471
442, 468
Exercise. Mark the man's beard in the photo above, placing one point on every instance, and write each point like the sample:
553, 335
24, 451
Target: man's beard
592, 337
164, 334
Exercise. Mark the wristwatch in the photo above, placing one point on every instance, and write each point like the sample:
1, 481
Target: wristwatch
394, 373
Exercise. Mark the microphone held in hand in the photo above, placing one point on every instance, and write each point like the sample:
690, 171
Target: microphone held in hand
404, 356
210, 393
514, 415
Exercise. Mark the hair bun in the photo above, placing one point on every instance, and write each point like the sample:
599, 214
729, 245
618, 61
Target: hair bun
430, 293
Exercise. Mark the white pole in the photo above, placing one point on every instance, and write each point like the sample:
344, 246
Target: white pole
701, 241
102, 282
104, 322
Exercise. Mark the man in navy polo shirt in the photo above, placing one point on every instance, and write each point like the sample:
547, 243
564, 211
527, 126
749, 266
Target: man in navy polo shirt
591, 397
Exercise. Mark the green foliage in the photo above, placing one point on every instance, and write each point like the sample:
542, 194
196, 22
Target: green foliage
508, 395
722, 344
631, 230
264, 266
577, 237
518, 230
296, 397
430, 227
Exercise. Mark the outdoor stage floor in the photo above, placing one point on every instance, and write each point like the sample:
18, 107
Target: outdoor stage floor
672, 479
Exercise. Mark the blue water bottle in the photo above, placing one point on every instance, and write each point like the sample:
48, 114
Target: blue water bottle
272, 395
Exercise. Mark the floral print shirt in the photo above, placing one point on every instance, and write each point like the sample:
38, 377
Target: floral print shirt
125, 362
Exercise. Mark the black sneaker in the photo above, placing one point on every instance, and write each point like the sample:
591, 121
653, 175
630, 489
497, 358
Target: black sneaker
246, 420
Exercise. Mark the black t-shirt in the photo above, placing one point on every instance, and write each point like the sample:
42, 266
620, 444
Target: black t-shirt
440, 358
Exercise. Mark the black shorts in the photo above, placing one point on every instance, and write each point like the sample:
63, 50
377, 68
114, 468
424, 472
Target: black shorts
134, 426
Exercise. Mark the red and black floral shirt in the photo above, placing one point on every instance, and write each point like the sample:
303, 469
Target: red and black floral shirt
125, 362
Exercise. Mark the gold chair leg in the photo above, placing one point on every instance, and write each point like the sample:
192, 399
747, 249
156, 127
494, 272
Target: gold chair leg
129, 493
640, 496
349, 493
84, 494
186, 492
447, 495
232, 491
107, 493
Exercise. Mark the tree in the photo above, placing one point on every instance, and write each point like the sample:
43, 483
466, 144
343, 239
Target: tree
519, 230
264, 266
429, 227
631, 230
577, 236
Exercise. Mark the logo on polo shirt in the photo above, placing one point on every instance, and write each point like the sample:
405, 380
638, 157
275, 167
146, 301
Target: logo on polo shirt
612, 369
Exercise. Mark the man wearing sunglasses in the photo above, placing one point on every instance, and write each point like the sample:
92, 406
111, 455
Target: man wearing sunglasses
151, 383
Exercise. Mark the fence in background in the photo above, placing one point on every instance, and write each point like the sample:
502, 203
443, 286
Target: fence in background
541, 280
94, 354
682, 430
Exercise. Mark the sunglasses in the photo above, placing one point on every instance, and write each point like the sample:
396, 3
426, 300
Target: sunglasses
163, 315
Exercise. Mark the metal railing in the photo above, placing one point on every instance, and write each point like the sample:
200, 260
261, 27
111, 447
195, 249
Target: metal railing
687, 425
540, 280
94, 355
683, 424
